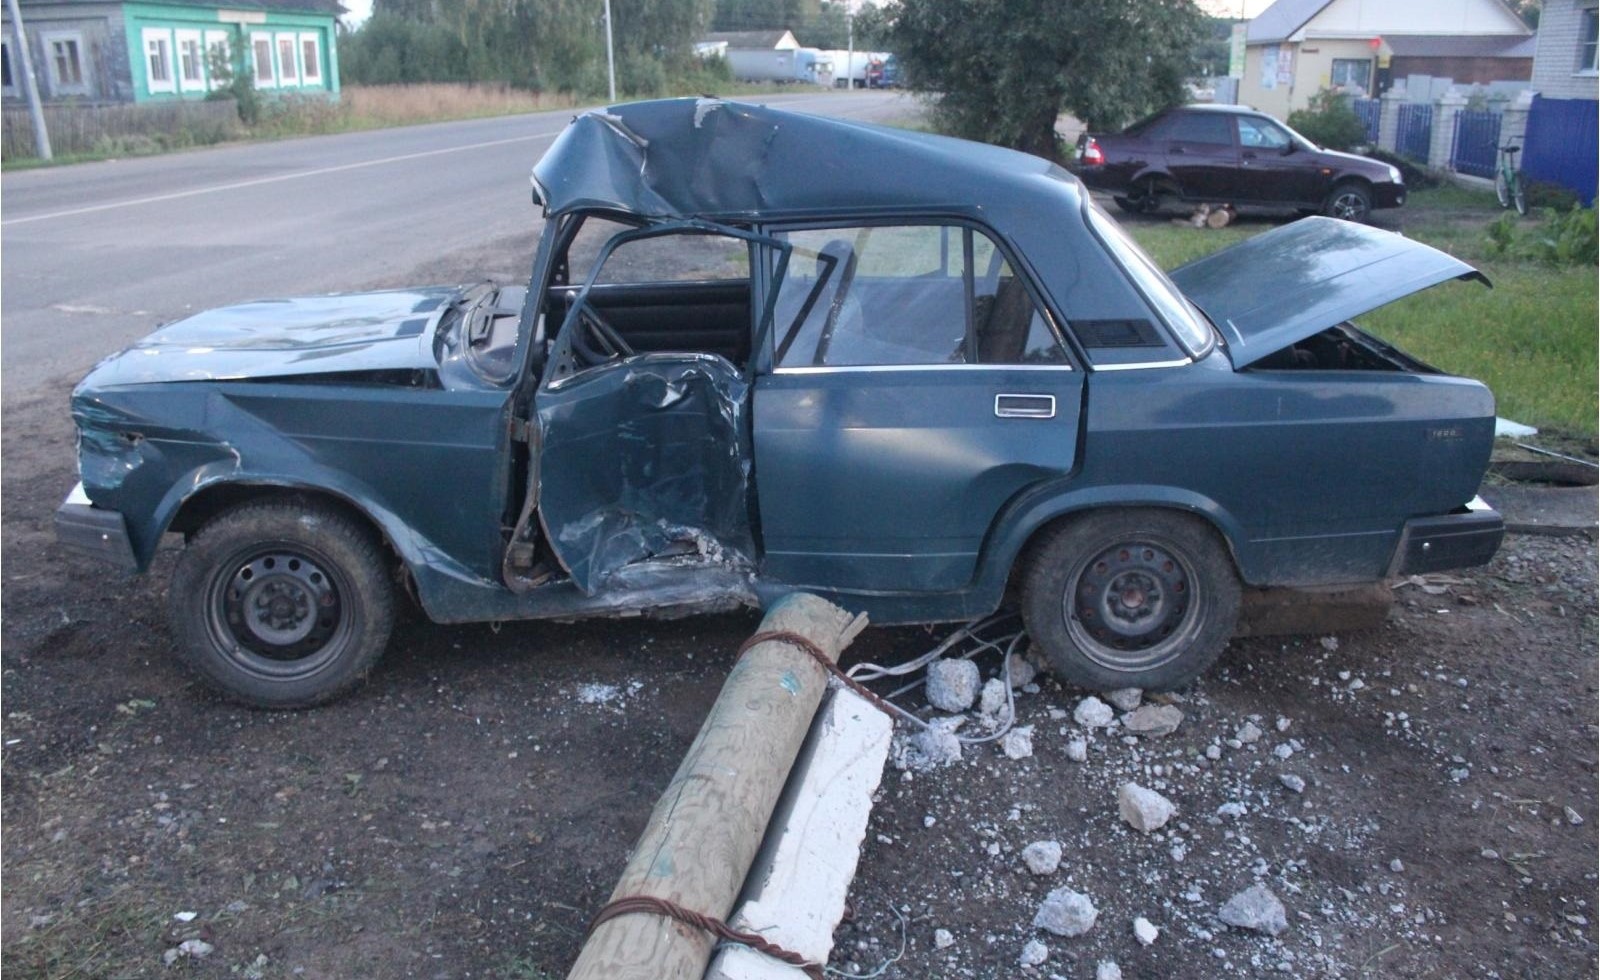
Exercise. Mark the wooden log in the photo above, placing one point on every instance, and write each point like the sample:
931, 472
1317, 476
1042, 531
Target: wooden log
705, 830
796, 892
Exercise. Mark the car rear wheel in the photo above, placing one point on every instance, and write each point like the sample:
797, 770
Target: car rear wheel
1135, 598
1350, 202
1144, 199
282, 605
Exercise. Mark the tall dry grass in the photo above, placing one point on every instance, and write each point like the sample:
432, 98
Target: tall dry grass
399, 105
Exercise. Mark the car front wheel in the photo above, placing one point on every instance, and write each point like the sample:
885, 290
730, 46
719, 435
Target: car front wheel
1137, 598
282, 605
1350, 202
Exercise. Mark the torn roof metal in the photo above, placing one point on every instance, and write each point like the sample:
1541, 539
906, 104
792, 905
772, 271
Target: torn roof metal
709, 158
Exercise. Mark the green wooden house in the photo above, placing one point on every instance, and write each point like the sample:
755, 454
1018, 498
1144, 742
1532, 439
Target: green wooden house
102, 51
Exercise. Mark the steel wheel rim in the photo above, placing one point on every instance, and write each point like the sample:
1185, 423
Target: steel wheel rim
1349, 206
279, 611
1133, 606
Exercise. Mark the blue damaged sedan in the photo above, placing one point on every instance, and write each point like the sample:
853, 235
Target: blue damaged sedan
760, 352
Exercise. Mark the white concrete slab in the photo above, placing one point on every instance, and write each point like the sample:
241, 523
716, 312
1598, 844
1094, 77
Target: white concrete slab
796, 891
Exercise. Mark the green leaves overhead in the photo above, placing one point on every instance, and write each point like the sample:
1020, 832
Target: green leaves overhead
1002, 70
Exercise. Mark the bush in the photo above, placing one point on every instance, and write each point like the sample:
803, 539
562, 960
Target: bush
1415, 177
1329, 121
1563, 238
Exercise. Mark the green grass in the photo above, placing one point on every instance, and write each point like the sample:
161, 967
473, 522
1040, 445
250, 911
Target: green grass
1532, 339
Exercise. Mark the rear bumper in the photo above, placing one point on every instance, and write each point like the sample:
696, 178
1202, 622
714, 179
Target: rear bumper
1460, 540
90, 530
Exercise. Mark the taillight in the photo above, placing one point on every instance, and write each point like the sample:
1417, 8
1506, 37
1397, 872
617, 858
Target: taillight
1092, 155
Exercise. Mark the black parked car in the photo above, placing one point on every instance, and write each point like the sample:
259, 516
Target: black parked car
1223, 154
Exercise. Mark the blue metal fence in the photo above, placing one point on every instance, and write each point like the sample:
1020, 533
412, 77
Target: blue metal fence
1416, 130
1473, 148
1368, 111
1563, 144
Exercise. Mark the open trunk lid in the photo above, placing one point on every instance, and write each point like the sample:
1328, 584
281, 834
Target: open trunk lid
1279, 288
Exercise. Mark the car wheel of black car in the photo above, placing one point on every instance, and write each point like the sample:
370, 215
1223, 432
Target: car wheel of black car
282, 605
1137, 598
1350, 202
1146, 199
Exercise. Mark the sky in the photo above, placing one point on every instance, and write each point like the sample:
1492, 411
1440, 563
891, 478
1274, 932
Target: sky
360, 10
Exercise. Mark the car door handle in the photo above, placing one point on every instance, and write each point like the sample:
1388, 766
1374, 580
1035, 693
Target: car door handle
1025, 406
1175, 149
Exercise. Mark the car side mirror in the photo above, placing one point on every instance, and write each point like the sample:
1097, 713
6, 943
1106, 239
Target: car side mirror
1288, 148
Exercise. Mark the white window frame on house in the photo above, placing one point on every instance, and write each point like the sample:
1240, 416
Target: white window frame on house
311, 59
8, 86
269, 78
1333, 67
1588, 41
215, 40
58, 85
185, 83
163, 37
288, 75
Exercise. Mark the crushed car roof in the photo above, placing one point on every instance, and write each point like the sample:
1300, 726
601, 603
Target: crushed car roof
709, 158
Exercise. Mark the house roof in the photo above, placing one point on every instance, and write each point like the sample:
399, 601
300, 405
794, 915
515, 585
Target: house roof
1460, 46
1284, 18
1281, 19
749, 39
331, 7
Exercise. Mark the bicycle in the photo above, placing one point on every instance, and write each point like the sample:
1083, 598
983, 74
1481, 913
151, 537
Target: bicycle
1508, 180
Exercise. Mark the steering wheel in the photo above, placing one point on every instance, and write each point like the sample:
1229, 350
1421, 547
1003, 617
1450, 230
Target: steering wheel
607, 345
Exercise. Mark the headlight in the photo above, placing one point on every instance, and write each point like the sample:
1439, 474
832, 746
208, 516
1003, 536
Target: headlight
1394, 173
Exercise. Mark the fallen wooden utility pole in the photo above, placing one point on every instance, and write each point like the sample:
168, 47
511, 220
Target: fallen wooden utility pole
705, 830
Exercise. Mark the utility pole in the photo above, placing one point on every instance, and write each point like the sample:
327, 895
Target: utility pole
850, 34
611, 58
41, 137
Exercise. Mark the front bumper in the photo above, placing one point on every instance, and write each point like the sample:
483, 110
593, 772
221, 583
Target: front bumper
91, 530
1388, 195
1460, 540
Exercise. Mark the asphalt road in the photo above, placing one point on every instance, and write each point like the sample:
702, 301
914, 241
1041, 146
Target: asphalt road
96, 255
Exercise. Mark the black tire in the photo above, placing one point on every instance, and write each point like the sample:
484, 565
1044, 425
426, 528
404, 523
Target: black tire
1146, 199
1160, 583
1350, 201
244, 592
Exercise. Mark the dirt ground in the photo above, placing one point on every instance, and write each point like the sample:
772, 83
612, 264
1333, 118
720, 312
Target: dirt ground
464, 812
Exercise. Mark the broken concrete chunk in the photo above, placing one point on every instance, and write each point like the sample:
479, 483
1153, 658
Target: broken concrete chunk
1066, 913
952, 684
1022, 670
1144, 809
1247, 733
1292, 783
1107, 970
1256, 908
1077, 750
1042, 857
993, 697
1018, 743
1125, 699
942, 939
1034, 954
1092, 712
1145, 931
1153, 720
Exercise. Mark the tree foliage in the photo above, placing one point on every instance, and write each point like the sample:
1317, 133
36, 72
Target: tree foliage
537, 44
1002, 70
1327, 120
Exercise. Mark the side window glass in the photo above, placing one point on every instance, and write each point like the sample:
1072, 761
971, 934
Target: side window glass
905, 295
1259, 133
1198, 127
